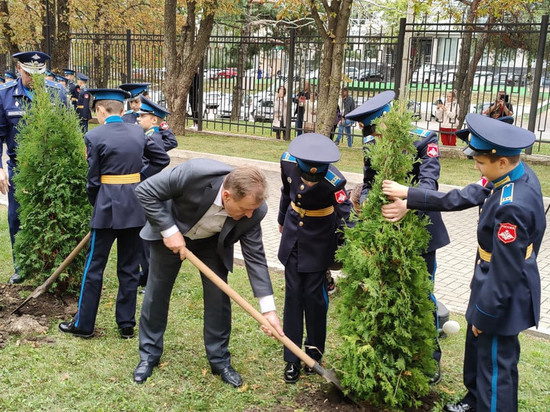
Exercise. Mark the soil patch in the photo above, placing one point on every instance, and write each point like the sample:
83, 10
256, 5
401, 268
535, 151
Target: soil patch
35, 317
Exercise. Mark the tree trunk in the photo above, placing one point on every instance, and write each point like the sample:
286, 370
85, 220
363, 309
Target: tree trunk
330, 74
61, 47
182, 60
238, 91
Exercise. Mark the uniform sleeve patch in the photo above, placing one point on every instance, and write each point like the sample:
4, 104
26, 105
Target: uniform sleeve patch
332, 178
340, 196
432, 150
507, 233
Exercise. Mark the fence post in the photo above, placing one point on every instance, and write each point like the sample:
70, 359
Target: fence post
199, 102
536, 81
398, 87
128, 56
291, 52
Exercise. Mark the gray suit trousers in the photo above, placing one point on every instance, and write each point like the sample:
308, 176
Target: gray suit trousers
163, 269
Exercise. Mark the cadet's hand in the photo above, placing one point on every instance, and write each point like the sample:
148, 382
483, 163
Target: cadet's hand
476, 331
176, 244
394, 212
280, 228
4, 182
272, 318
394, 190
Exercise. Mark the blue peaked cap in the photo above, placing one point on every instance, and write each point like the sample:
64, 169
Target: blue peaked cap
149, 107
32, 61
135, 89
68, 71
492, 136
373, 108
10, 75
109, 94
314, 151
464, 133
82, 77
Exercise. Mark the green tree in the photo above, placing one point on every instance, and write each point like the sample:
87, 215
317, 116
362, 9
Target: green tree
385, 310
51, 189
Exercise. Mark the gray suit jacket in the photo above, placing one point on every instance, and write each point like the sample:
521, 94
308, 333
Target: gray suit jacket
180, 196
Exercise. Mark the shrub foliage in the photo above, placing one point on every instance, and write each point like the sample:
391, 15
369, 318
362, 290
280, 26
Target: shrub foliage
385, 310
50, 186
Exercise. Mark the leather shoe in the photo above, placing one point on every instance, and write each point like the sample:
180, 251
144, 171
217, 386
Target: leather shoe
459, 407
69, 327
143, 370
308, 370
127, 332
292, 372
436, 378
229, 375
15, 279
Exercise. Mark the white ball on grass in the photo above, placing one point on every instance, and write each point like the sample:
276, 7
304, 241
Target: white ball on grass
451, 327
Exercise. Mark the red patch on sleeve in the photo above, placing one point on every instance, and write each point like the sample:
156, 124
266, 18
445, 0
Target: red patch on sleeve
432, 150
164, 125
507, 233
340, 196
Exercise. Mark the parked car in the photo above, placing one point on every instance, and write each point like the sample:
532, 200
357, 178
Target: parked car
447, 77
483, 79
262, 111
545, 81
352, 72
370, 75
228, 73
211, 74
503, 79
226, 106
425, 74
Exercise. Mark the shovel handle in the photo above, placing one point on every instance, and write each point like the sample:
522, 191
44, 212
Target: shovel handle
229, 291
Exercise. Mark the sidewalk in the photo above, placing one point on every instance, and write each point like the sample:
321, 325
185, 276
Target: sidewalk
455, 261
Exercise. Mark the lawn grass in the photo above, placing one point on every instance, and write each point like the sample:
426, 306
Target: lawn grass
56, 372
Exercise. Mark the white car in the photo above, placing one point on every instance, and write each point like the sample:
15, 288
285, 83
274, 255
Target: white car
425, 74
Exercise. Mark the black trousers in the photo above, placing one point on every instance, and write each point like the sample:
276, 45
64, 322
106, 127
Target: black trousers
305, 295
101, 240
164, 266
491, 372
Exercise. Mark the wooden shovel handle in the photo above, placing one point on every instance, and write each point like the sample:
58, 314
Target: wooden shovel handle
262, 320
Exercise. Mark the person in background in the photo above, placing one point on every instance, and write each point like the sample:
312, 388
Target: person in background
344, 125
279, 114
310, 113
74, 90
136, 90
83, 104
300, 101
313, 208
505, 289
446, 113
194, 100
115, 153
501, 107
10, 76
14, 96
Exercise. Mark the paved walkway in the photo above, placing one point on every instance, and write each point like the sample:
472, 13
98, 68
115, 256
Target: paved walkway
455, 261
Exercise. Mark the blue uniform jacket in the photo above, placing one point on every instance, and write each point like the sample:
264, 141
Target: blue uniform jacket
130, 117
13, 101
74, 91
505, 291
164, 138
83, 105
315, 237
117, 148
425, 174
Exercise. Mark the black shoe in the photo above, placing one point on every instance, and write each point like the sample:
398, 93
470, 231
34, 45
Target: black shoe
127, 332
459, 407
308, 370
229, 375
69, 327
15, 279
436, 378
292, 372
143, 370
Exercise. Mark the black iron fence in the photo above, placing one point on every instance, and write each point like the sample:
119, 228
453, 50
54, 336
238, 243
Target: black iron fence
420, 61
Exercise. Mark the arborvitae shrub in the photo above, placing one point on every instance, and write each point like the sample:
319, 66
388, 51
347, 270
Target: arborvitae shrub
50, 186
385, 312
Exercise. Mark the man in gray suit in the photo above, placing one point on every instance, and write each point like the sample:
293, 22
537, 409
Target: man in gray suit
204, 206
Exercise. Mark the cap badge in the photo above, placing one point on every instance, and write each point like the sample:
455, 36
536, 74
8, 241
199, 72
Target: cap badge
35, 57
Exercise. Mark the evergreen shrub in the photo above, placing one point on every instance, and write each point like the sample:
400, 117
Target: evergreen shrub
50, 186
386, 317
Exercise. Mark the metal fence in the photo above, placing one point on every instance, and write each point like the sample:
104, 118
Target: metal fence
427, 54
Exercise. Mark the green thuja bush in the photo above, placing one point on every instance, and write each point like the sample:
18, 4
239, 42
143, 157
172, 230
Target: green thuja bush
50, 184
386, 318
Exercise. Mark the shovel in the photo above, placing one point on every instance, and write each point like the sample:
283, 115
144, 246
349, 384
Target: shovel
329, 375
46, 285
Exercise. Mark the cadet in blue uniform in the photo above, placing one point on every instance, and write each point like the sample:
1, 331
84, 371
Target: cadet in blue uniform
10, 76
83, 102
505, 289
151, 119
74, 90
136, 90
313, 206
115, 152
425, 173
63, 81
13, 98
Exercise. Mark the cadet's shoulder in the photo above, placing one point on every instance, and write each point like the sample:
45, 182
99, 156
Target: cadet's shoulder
334, 177
288, 158
7, 86
425, 135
